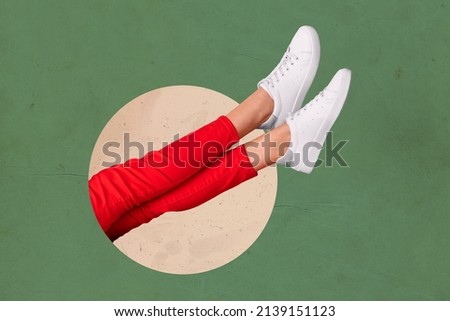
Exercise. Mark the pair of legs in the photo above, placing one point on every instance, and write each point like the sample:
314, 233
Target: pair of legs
202, 164
182, 176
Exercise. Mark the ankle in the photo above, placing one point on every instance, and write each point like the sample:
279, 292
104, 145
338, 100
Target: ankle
282, 137
265, 104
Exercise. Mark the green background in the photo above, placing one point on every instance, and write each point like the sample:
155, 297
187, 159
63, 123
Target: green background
378, 230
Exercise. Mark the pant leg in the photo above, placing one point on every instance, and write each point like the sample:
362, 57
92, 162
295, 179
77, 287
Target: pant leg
221, 175
118, 189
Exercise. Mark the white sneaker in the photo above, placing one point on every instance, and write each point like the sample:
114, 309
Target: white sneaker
289, 82
309, 126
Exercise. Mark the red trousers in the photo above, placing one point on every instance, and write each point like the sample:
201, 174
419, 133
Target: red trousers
180, 176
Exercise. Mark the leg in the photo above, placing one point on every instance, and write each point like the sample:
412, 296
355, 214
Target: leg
252, 112
266, 149
226, 172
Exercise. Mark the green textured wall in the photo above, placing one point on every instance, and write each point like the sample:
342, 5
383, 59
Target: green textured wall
377, 230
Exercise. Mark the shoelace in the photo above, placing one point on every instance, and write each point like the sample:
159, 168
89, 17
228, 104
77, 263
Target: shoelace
315, 100
288, 60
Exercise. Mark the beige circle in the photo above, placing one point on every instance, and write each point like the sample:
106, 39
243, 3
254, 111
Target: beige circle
207, 236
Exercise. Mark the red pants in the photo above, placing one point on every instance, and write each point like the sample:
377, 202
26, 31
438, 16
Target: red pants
180, 176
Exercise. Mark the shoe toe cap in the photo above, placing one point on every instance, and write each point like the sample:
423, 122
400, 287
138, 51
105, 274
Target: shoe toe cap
304, 39
342, 76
